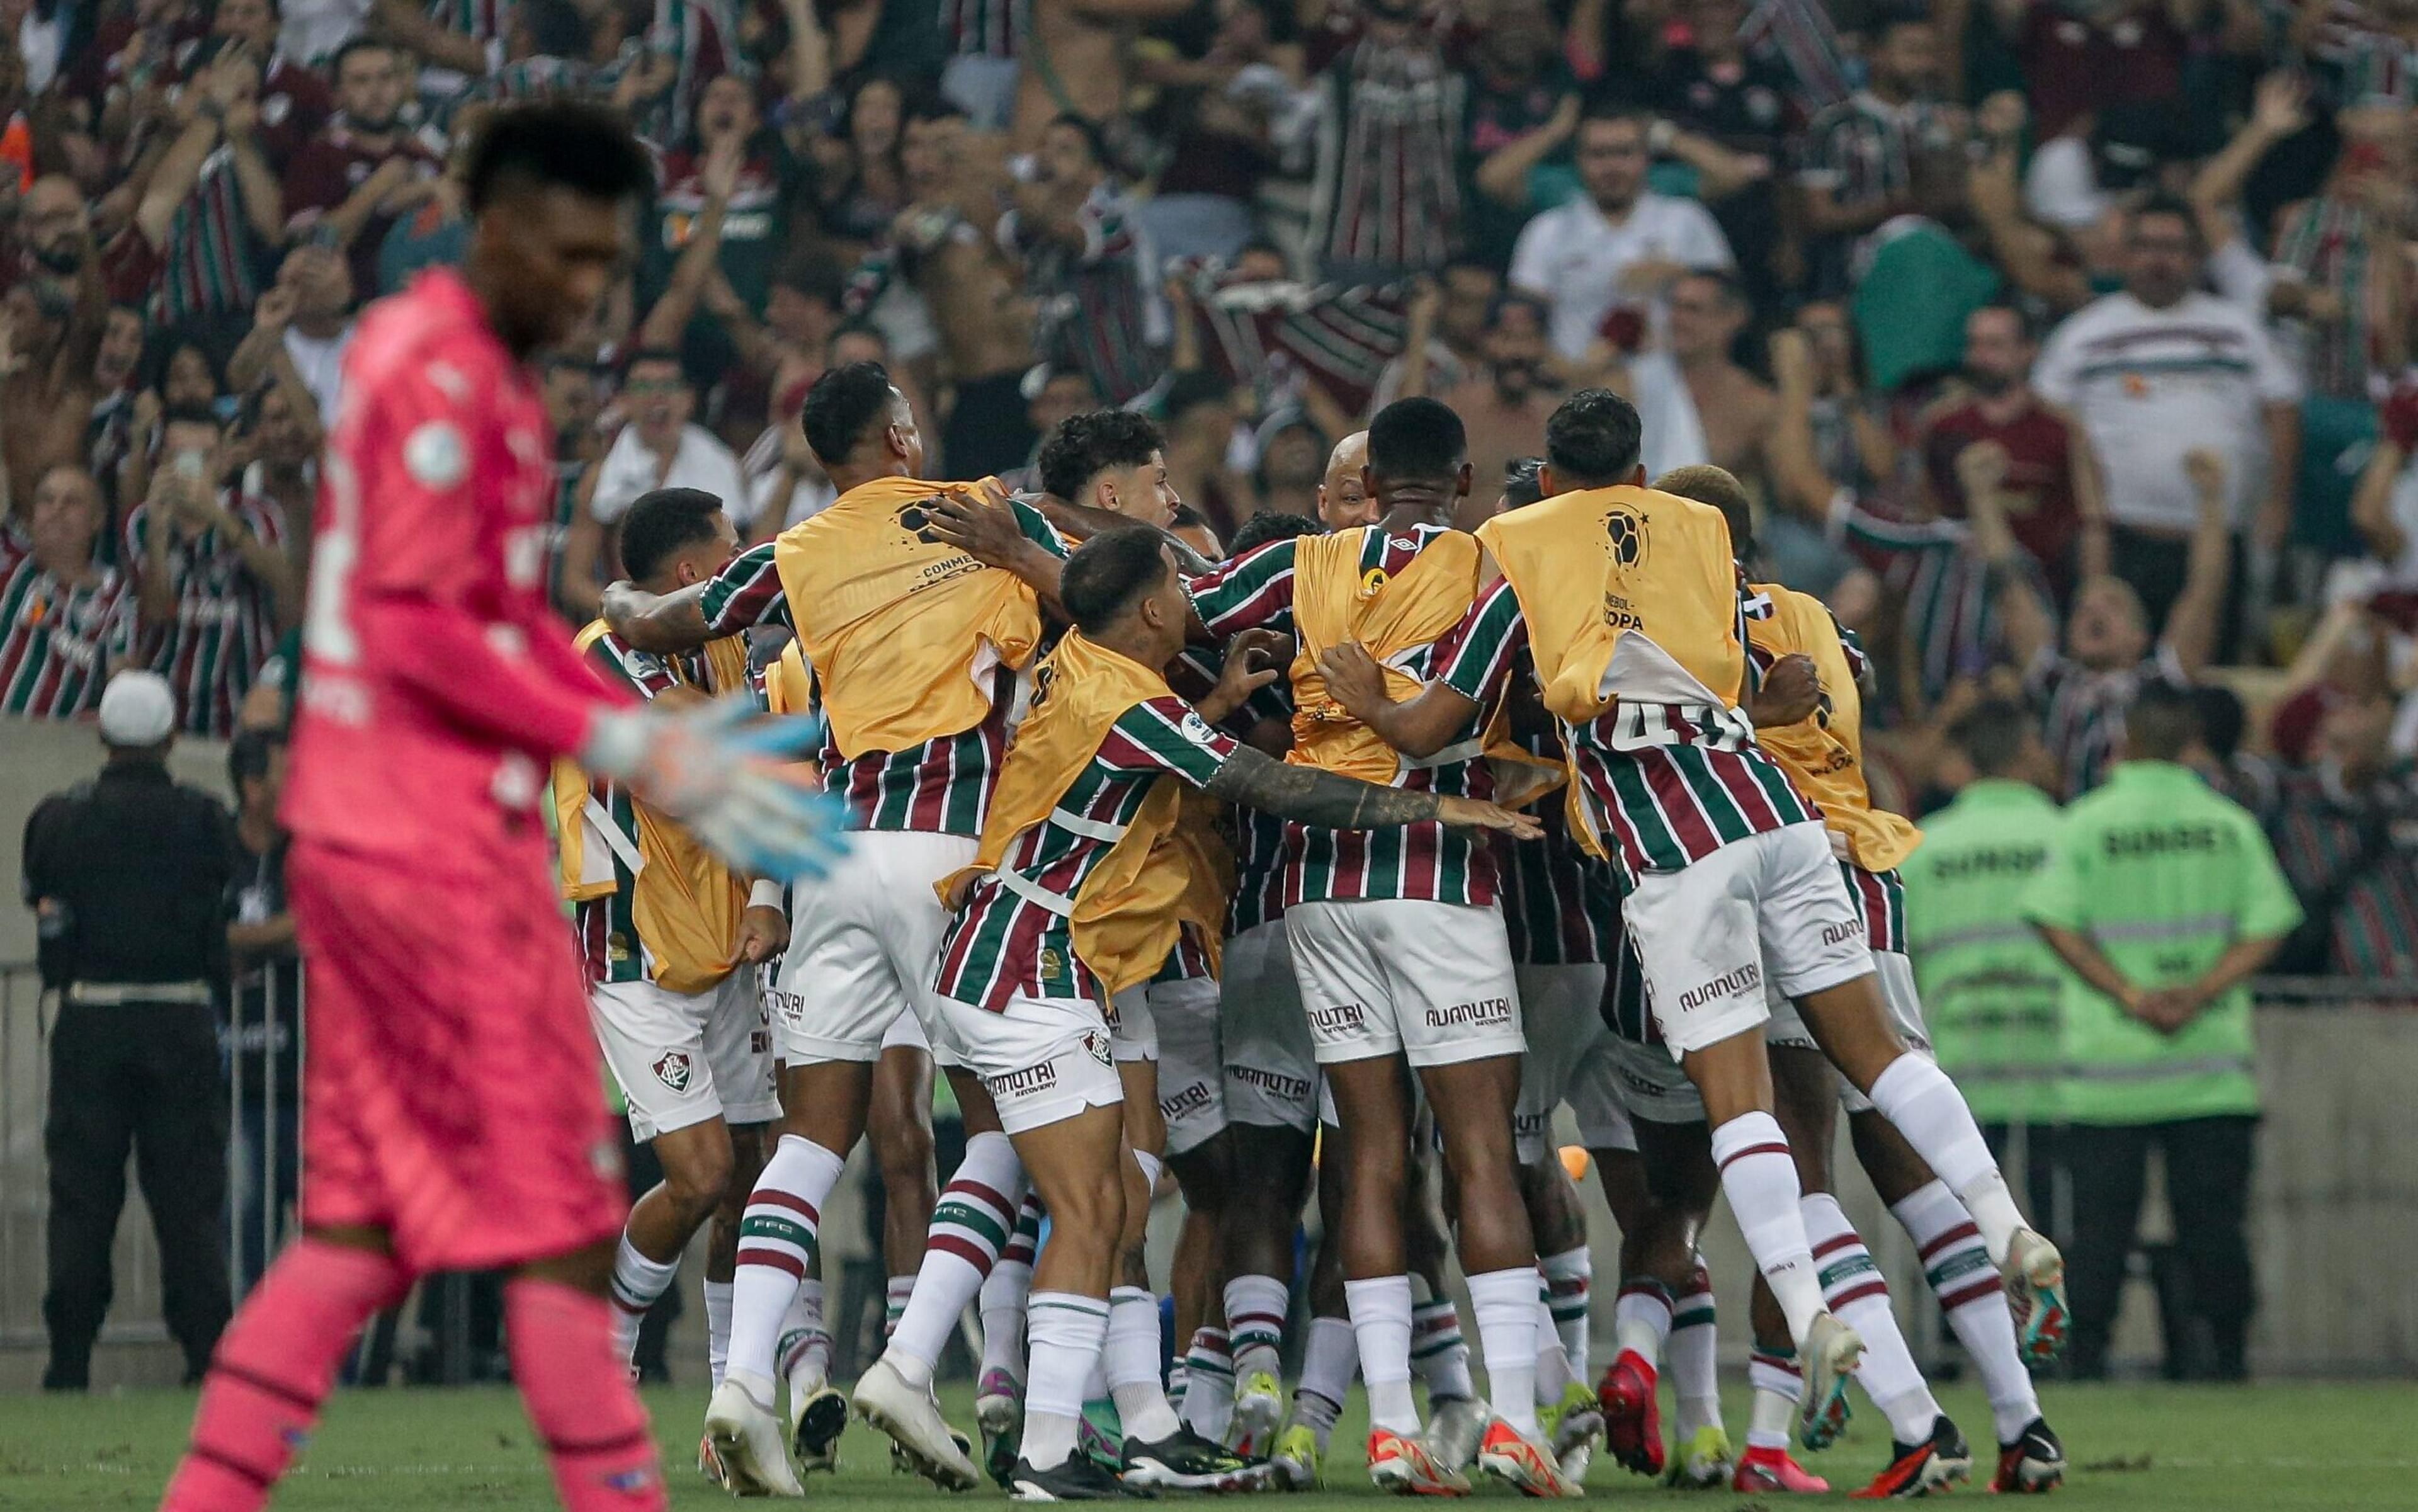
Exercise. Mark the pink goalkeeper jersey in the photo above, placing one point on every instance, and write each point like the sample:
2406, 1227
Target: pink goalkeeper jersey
436, 683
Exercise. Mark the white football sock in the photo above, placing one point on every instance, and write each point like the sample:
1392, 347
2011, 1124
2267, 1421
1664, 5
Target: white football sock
717, 1328
1855, 1293
1553, 1370
1380, 1325
1439, 1351
639, 1284
970, 1227
1328, 1358
1692, 1348
1778, 1386
777, 1248
1255, 1319
1505, 1305
804, 1352
1760, 1180
1068, 1333
1641, 1319
1927, 1108
1961, 1274
1208, 1398
1130, 1364
1568, 1284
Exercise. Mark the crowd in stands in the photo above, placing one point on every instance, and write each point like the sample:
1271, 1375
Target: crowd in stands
2065, 346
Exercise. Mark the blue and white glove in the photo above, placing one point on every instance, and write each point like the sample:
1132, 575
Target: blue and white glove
732, 782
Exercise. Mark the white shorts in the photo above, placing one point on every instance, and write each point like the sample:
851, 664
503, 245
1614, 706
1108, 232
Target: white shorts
1771, 908
1133, 1032
906, 1032
1653, 1085
1191, 1097
1425, 979
1041, 1059
1894, 974
1558, 1009
683, 1057
865, 944
1272, 1077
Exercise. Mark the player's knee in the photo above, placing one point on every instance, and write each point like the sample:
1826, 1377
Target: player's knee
902, 1148
701, 1184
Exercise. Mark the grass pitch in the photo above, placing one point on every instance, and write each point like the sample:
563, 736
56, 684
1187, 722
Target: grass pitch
2188, 1449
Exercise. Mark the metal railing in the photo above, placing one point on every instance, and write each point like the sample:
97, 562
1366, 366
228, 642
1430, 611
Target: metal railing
264, 1133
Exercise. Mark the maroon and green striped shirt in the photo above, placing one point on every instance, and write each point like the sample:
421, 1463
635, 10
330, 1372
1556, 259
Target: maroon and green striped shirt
1667, 785
1010, 938
1423, 861
942, 786
608, 931
57, 640
226, 622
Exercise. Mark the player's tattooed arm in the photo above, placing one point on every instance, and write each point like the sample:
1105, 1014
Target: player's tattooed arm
985, 528
1331, 801
659, 622
1418, 727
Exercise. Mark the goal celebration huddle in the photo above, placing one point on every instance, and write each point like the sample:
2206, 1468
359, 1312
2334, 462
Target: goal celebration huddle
1321, 861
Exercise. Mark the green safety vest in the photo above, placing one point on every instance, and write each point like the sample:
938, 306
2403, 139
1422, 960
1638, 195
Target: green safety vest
1989, 984
2165, 875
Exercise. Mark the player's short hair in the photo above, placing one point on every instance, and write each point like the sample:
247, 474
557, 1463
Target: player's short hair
843, 404
1416, 439
1524, 481
566, 144
1270, 525
2162, 724
1108, 573
661, 523
1718, 487
1087, 445
1593, 439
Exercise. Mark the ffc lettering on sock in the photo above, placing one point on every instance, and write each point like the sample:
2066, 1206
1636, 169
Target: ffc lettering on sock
969, 1228
778, 1247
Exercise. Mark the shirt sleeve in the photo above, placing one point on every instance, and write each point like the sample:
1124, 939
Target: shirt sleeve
1165, 735
2058, 895
1532, 257
1038, 529
745, 593
2054, 376
2269, 907
2278, 383
1251, 592
624, 665
1707, 246
1476, 661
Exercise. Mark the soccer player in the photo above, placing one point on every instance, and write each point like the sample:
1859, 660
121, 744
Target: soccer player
671, 941
1400, 953
1629, 604
458, 1117
915, 648
1822, 751
1061, 909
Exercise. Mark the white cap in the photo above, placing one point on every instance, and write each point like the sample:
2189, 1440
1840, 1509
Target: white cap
137, 709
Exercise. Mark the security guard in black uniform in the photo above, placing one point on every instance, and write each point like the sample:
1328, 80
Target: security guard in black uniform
128, 876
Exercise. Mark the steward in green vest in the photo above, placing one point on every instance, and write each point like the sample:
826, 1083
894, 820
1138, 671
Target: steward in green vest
2163, 898
1990, 985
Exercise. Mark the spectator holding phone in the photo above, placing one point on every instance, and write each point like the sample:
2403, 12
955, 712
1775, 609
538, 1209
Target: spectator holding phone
215, 583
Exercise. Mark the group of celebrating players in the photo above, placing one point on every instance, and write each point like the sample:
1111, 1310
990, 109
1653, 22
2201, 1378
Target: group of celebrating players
1163, 861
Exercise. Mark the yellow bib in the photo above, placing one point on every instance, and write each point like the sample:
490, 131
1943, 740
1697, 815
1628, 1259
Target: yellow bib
1602, 566
1333, 601
902, 634
685, 904
1126, 916
1823, 752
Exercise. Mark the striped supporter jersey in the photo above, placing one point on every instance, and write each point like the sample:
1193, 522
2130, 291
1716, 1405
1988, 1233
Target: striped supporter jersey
1665, 784
1009, 941
225, 622
57, 640
1561, 905
1423, 861
940, 786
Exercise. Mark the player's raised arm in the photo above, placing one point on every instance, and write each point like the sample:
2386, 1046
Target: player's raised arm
745, 593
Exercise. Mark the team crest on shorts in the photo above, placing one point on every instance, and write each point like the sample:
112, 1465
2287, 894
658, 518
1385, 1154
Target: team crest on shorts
672, 1069
1097, 1044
